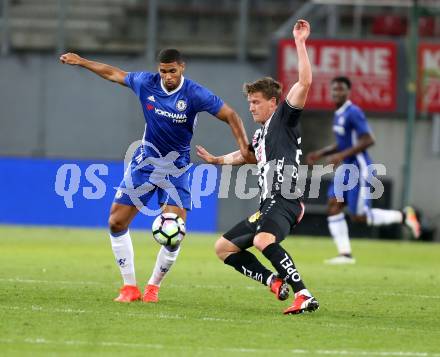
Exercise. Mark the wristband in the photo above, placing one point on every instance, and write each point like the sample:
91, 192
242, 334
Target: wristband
228, 159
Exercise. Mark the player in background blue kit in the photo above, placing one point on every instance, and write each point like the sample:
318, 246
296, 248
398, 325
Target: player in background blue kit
353, 137
170, 105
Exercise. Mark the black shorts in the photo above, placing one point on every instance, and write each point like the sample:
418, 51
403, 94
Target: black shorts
276, 215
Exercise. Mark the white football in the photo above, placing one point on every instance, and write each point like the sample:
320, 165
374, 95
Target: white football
168, 229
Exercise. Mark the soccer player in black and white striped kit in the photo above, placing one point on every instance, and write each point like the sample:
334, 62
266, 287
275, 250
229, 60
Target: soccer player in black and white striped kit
277, 151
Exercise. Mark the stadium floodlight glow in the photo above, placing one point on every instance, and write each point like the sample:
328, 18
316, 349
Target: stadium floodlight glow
399, 3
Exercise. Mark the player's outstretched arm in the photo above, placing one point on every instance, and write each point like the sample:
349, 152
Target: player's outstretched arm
298, 93
228, 115
319, 154
234, 158
106, 71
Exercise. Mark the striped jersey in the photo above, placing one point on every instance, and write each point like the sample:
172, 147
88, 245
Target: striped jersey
277, 147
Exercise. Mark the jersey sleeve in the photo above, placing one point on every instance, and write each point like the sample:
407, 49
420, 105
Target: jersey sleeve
288, 113
359, 122
134, 80
206, 101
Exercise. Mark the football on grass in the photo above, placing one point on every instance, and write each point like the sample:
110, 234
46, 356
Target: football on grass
168, 229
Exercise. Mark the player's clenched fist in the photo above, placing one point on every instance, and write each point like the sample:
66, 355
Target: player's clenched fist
301, 30
71, 58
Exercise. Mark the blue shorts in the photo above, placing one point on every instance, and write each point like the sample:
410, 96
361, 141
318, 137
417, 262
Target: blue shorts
140, 183
354, 198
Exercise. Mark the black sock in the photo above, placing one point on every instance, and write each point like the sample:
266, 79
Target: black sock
248, 264
403, 216
284, 265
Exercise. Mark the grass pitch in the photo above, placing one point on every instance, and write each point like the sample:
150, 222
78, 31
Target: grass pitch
57, 286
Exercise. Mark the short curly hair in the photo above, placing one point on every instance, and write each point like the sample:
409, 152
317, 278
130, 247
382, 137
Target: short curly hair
169, 55
342, 79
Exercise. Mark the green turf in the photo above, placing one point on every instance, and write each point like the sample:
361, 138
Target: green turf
57, 286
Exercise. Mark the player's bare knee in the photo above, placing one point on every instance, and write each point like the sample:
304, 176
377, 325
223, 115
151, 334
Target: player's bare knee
220, 248
116, 225
334, 207
358, 219
262, 240
333, 211
224, 248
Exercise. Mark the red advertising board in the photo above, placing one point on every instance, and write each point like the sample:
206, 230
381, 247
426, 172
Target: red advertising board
370, 65
429, 78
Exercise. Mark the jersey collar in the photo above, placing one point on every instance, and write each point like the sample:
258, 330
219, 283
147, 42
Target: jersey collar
344, 106
267, 122
174, 90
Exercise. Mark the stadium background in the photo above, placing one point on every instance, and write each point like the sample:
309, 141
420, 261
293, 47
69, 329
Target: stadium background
52, 114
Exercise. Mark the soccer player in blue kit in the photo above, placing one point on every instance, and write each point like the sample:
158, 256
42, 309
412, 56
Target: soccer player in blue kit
170, 104
353, 137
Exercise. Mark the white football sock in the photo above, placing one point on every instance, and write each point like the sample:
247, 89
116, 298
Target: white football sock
165, 259
337, 225
380, 217
303, 292
123, 251
269, 280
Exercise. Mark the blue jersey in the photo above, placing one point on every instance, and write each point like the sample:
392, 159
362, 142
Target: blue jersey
349, 123
170, 116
